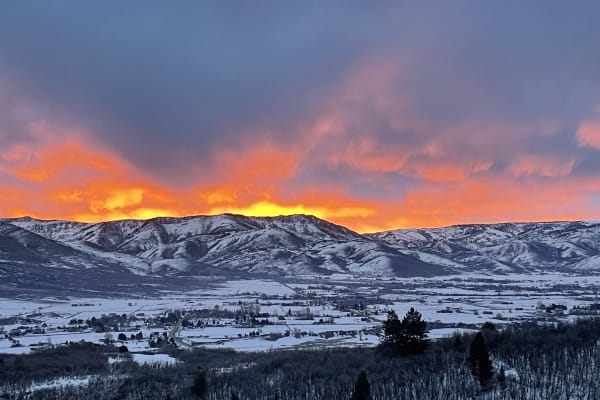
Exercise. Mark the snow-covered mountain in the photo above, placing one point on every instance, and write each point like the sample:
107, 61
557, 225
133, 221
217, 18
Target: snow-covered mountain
31, 264
280, 246
507, 247
233, 245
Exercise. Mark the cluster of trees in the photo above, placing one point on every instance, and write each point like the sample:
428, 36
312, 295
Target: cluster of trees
53, 362
137, 336
552, 361
408, 336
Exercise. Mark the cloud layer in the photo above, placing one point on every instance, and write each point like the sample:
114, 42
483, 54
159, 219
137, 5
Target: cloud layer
374, 117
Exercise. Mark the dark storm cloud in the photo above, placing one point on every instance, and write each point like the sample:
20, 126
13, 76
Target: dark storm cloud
171, 85
178, 78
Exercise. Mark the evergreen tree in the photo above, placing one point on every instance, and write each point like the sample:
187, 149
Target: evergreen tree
457, 342
489, 326
362, 388
234, 396
391, 329
408, 336
199, 386
415, 332
479, 360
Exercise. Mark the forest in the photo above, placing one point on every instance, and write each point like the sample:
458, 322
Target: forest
519, 361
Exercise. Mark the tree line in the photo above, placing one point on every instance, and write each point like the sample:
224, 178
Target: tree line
527, 361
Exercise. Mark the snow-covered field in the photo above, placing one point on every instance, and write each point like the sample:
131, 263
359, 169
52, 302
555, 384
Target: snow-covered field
260, 315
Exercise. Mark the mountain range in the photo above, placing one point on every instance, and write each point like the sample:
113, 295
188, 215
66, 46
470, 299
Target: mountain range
119, 254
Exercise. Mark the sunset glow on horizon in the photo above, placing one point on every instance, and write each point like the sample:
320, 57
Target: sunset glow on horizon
365, 118
70, 181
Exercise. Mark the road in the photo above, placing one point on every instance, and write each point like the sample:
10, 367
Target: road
175, 333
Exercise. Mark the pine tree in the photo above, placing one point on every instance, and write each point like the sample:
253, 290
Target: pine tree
408, 336
199, 386
489, 326
457, 342
479, 360
362, 388
415, 332
391, 329
234, 396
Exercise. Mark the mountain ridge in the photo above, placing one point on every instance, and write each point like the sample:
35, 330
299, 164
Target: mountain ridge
25, 218
291, 246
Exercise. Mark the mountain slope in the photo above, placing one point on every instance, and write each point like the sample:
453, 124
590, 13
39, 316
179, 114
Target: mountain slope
20, 244
560, 246
281, 246
171, 250
31, 264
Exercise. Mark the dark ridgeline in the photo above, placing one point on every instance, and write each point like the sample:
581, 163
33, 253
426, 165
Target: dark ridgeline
552, 362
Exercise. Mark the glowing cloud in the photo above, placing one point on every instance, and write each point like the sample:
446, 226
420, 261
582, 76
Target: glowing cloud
368, 121
266, 209
70, 180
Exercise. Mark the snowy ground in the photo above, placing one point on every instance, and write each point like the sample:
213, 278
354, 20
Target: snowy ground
301, 313
61, 382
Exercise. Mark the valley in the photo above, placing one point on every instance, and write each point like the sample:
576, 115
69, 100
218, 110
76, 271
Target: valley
257, 284
307, 312
162, 295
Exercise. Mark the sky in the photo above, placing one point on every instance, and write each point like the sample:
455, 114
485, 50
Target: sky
373, 115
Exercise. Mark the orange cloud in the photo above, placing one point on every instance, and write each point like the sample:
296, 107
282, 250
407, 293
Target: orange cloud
47, 163
118, 199
262, 161
69, 180
16, 154
110, 188
65, 175
267, 208
493, 200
